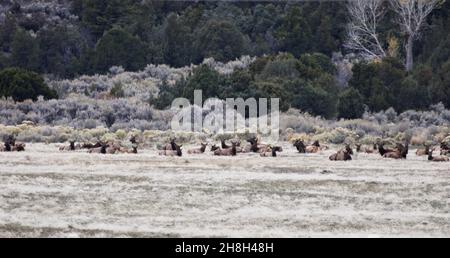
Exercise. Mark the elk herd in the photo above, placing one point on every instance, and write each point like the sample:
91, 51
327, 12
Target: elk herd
253, 145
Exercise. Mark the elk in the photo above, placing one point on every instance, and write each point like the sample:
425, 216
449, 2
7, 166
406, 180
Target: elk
313, 148
10, 145
445, 150
423, 152
98, 150
342, 155
200, 150
71, 147
382, 150
214, 148
400, 153
133, 150
438, 158
19, 147
91, 146
172, 146
226, 152
172, 153
224, 145
300, 145
272, 152
252, 145
364, 149
112, 148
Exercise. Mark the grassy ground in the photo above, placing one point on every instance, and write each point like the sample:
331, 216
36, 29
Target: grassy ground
45, 193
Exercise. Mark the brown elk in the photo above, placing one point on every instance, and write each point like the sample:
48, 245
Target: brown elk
71, 147
438, 158
342, 155
226, 152
272, 152
200, 150
313, 148
300, 145
11, 145
364, 149
384, 151
172, 153
133, 150
423, 152
112, 148
172, 146
214, 148
99, 150
401, 152
445, 149
252, 145
91, 146
19, 147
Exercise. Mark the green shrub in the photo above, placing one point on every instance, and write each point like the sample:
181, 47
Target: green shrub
350, 105
21, 85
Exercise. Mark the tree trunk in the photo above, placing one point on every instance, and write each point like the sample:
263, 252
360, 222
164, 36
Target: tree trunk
409, 53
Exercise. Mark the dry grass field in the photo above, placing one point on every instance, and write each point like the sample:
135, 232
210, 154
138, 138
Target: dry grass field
46, 193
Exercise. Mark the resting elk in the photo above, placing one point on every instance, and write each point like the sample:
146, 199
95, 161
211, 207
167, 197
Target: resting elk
438, 158
342, 155
170, 152
200, 150
226, 152
272, 152
423, 152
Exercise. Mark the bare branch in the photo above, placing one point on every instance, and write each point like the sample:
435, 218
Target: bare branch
413, 13
362, 31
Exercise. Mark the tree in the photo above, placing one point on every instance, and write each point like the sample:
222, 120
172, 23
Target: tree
206, 79
294, 32
221, 40
412, 15
25, 51
412, 95
440, 90
7, 32
351, 104
178, 42
119, 48
363, 29
379, 83
21, 85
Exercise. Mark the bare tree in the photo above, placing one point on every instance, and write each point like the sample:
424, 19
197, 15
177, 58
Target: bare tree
362, 31
411, 18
